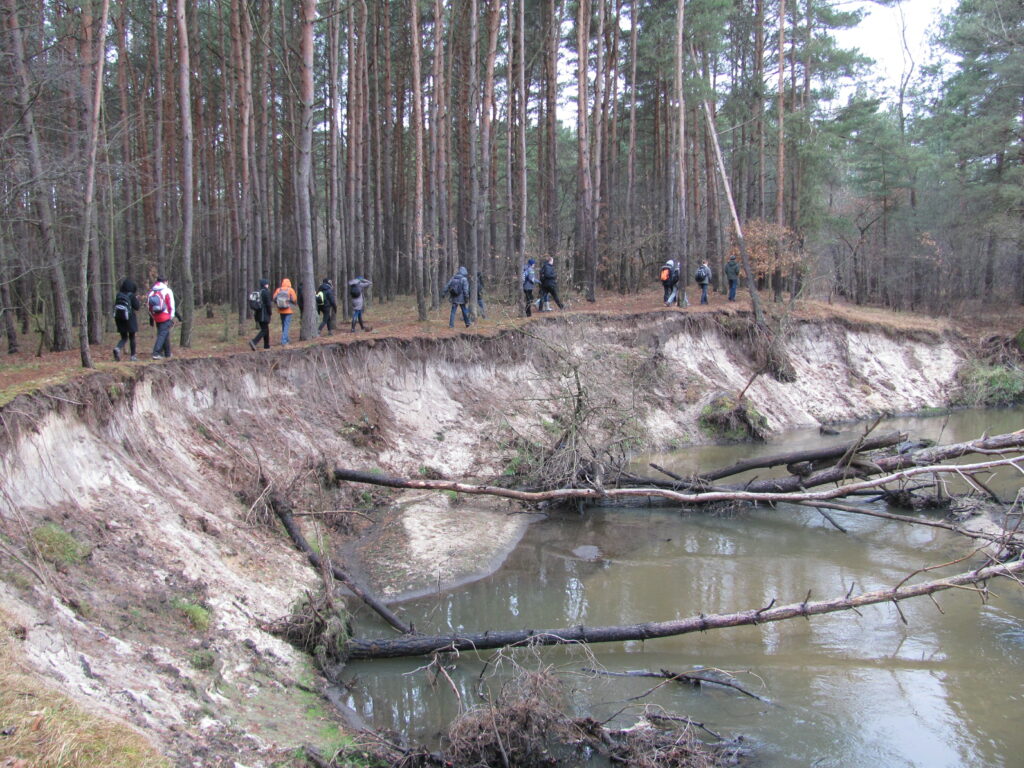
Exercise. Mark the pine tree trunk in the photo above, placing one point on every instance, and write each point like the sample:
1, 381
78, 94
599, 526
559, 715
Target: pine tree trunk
417, 129
186, 298
305, 165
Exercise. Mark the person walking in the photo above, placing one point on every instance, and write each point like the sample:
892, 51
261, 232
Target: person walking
285, 300
326, 305
669, 275
160, 302
732, 274
480, 295
355, 292
529, 281
703, 278
126, 304
549, 283
458, 294
262, 315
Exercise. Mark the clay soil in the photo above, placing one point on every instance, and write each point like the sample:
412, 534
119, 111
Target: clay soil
31, 369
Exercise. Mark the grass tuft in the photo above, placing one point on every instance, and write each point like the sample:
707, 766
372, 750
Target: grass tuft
57, 546
197, 615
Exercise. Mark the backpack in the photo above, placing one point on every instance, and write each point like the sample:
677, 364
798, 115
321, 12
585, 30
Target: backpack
282, 299
527, 279
454, 286
666, 274
320, 301
701, 274
355, 290
156, 303
255, 301
122, 307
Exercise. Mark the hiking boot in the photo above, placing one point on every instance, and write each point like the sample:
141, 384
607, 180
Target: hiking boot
252, 345
117, 354
134, 359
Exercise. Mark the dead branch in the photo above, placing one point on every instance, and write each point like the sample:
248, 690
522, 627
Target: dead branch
418, 645
772, 490
694, 678
284, 512
796, 457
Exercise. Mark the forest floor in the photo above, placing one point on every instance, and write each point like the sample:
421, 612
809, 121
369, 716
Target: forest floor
32, 368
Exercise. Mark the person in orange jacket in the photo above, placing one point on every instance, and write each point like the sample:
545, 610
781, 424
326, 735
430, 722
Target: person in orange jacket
286, 301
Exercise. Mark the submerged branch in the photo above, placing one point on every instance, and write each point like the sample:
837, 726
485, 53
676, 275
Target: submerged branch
418, 645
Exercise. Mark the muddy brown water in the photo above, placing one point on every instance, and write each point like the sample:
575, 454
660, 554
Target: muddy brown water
944, 689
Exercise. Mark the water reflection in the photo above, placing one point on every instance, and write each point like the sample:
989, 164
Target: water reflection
941, 689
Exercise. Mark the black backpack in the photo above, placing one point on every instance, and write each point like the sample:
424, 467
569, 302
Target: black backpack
255, 301
122, 306
355, 290
701, 274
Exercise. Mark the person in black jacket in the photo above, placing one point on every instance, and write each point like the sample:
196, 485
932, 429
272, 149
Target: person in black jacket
549, 282
263, 316
126, 304
326, 305
458, 294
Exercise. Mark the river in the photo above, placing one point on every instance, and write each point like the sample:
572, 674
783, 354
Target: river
942, 689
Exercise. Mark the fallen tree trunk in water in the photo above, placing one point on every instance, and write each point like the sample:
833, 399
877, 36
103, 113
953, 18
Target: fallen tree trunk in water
419, 645
793, 488
797, 457
283, 510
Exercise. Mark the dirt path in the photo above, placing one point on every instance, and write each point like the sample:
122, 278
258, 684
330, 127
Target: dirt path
27, 370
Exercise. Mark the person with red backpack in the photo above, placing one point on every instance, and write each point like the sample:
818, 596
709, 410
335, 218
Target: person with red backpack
160, 303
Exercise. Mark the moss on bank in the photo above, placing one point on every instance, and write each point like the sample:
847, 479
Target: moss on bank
979, 384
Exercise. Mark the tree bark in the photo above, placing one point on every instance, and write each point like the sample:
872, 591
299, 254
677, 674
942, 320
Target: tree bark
305, 169
93, 110
419, 645
417, 130
187, 184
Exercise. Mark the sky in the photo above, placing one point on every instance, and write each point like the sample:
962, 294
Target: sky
879, 35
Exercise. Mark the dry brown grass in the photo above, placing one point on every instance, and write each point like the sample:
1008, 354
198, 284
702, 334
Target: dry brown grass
220, 335
40, 728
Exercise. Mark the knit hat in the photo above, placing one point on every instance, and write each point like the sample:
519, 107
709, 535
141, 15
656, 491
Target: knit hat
530, 262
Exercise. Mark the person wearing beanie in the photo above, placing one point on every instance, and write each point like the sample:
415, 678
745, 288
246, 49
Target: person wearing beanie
263, 315
529, 282
326, 305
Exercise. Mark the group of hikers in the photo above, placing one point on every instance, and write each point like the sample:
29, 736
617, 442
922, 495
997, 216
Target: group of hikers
285, 300
669, 276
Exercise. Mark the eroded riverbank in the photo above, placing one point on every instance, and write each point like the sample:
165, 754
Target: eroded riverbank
162, 477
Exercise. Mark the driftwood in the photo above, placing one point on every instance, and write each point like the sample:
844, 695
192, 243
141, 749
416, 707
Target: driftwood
811, 455
419, 645
284, 513
773, 490
696, 678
